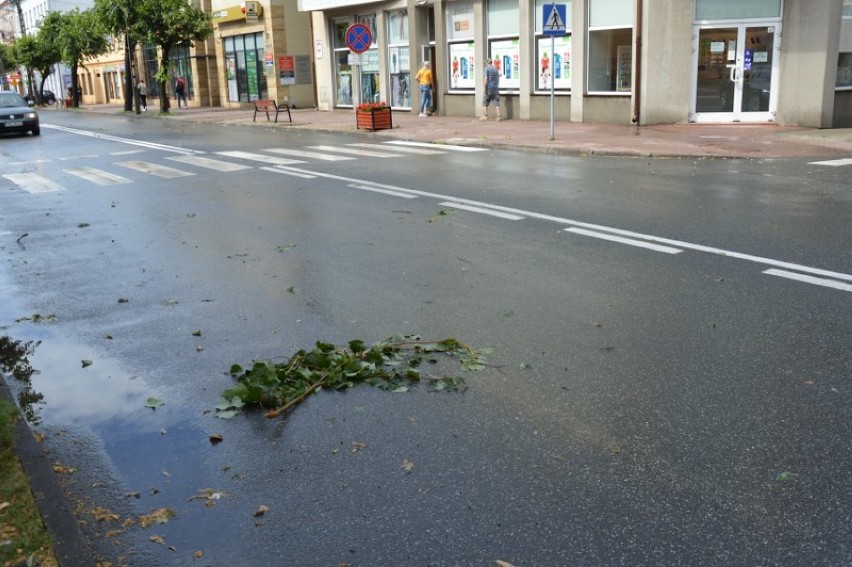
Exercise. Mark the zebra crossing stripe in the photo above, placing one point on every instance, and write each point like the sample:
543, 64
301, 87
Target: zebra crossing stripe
418, 151
163, 171
833, 162
354, 151
305, 154
97, 176
33, 182
214, 164
449, 147
261, 158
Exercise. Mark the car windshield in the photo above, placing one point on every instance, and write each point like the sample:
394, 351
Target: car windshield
10, 100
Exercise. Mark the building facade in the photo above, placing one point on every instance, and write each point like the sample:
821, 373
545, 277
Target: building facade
611, 61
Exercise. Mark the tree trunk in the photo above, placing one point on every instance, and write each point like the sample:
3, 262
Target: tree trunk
164, 84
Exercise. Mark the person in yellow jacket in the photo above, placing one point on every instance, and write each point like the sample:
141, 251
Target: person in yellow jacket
427, 86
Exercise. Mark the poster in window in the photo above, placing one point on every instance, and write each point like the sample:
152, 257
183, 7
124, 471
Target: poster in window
506, 56
624, 69
251, 73
554, 65
463, 75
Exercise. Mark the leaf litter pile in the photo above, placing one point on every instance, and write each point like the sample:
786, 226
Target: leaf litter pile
393, 364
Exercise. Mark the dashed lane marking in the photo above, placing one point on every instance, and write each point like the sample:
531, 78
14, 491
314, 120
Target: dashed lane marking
824, 282
481, 210
383, 191
628, 241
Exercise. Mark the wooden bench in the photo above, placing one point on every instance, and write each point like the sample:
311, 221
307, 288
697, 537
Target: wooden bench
267, 106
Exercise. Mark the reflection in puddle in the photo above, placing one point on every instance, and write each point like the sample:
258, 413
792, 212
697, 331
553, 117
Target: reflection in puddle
14, 362
97, 393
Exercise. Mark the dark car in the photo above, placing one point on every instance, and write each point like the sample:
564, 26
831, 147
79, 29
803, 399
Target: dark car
47, 97
16, 115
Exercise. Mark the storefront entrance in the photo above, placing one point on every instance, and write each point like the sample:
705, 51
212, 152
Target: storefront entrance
735, 73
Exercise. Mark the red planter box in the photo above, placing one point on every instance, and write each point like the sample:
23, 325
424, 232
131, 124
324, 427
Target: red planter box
375, 119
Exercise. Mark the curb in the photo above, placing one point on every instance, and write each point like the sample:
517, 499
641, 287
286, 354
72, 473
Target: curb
70, 546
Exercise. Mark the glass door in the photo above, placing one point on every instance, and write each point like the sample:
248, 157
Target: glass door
735, 69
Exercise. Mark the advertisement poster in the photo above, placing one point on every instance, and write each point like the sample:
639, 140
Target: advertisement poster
507, 55
555, 65
462, 66
232, 78
287, 70
251, 74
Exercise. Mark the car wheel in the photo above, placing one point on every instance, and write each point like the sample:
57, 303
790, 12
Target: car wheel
36, 131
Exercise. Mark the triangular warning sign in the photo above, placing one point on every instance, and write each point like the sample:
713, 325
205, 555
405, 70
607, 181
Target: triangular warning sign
554, 20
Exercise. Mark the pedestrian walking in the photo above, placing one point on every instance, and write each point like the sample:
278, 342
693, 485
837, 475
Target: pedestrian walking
425, 80
143, 95
492, 90
180, 92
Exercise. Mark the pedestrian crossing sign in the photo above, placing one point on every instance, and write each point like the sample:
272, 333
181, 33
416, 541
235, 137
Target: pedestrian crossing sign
554, 19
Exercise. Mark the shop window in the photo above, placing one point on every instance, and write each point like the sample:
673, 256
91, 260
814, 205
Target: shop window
553, 54
503, 43
398, 59
244, 64
152, 65
370, 81
342, 68
181, 64
844, 56
459, 17
610, 39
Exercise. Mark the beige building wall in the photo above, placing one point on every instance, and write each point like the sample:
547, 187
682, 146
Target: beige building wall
666, 61
811, 32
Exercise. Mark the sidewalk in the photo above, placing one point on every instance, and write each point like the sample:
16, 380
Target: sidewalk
680, 140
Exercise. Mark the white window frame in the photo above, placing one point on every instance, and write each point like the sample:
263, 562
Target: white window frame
542, 45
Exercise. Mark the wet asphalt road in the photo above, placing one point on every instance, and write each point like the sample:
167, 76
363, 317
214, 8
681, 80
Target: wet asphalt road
668, 406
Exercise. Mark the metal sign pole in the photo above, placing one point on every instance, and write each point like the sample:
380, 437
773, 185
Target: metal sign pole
552, 90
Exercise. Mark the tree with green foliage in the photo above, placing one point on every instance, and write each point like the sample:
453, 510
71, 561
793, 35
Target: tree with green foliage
8, 62
40, 51
168, 24
80, 37
121, 18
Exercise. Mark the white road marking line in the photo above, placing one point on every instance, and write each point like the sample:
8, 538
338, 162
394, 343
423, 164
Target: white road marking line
630, 241
833, 162
809, 279
208, 163
97, 176
33, 182
155, 169
33, 162
418, 151
261, 158
450, 147
385, 191
84, 156
312, 155
353, 151
149, 145
126, 152
626, 233
481, 210
286, 171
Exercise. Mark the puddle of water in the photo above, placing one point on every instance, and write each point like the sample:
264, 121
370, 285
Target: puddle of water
97, 393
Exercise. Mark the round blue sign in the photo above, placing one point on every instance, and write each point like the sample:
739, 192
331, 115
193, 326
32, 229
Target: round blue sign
359, 38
